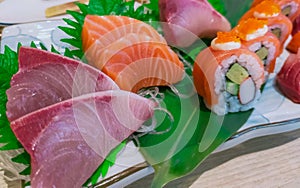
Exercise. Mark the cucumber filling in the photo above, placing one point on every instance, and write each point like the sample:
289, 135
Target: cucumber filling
286, 10
232, 88
276, 32
262, 53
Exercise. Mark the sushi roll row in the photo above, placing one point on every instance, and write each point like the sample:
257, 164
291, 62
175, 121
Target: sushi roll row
230, 73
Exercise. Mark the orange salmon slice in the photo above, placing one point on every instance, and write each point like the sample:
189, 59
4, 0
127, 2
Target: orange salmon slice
108, 29
144, 64
130, 51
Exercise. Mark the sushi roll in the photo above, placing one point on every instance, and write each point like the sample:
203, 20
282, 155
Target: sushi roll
227, 76
255, 37
289, 8
278, 24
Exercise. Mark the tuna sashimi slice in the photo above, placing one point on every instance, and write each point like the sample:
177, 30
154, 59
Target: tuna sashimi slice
288, 78
46, 78
69, 140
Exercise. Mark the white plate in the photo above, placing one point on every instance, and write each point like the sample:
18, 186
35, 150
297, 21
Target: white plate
273, 114
21, 11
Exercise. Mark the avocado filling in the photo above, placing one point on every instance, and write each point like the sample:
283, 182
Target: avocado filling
286, 10
276, 32
262, 53
234, 77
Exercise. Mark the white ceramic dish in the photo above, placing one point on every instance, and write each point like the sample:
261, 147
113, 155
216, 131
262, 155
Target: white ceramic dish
274, 113
22, 11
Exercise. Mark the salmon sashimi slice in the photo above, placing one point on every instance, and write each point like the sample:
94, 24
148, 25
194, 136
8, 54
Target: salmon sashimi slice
209, 74
108, 29
130, 46
144, 64
45, 78
271, 43
69, 140
98, 54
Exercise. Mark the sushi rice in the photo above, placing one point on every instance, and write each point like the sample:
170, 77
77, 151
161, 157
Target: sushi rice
227, 102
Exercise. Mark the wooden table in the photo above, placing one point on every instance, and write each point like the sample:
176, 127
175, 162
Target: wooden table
271, 161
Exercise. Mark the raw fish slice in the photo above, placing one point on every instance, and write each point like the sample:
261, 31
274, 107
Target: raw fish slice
143, 65
104, 53
46, 78
288, 78
108, 29
69, 140
196, 16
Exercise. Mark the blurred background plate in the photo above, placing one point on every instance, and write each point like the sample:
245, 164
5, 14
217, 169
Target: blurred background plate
22, 11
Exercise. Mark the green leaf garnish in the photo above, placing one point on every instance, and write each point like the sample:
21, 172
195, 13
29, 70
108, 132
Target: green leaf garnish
104, 167
219, 6
8, 67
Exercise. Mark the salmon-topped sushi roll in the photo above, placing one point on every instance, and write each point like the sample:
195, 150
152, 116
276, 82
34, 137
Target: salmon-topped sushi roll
255, 37
278, 24
289, 8
227, 76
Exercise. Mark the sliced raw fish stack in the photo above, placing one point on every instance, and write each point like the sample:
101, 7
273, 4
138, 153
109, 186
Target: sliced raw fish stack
108, 29
68, 132
46, 78
288, 78
131, 52
69, 140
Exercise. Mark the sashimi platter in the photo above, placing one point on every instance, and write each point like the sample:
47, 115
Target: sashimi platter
177, 79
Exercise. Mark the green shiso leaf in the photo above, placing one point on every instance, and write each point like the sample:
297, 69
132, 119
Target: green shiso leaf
23, 158
8, 67
219, 6
104, 167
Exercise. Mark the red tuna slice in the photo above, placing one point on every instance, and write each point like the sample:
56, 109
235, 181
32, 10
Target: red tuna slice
46, 78
69, 140
288, 78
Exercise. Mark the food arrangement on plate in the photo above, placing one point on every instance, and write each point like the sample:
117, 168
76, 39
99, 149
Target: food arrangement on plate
142, 74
